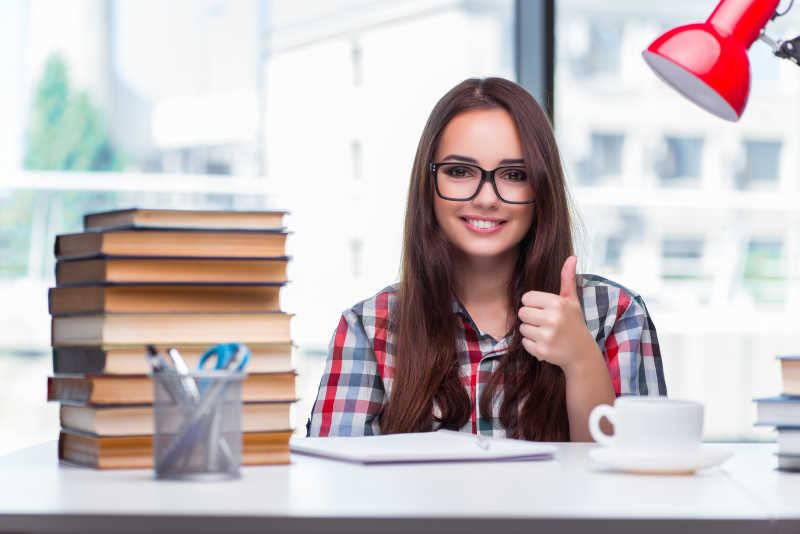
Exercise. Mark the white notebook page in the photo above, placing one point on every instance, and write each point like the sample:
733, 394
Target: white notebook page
439, 446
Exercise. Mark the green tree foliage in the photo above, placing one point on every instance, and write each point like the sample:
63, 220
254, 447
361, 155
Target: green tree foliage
67, 131
15, 232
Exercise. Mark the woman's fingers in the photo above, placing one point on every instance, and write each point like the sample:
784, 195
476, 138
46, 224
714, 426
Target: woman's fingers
529, 331
534, 316
539, 299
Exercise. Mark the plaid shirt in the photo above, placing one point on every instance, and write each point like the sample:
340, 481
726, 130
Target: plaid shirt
359, 371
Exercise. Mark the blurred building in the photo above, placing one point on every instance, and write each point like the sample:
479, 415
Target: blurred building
178, 81
347, 97
698, 214
317, 107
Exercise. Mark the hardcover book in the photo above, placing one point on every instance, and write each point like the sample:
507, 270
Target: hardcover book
171, 218
144, 269
130, 359
171, 328
790, 374
781, 410
138, 420
164, 298
138, 389
132, 452
195, 242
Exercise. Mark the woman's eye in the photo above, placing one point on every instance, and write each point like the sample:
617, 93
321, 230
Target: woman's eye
458, 172
515, 175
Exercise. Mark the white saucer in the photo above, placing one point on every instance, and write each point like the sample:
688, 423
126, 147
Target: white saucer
661, 464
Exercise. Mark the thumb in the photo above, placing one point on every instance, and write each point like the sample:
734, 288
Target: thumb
568, 287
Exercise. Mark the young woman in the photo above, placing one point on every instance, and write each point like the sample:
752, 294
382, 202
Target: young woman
489, 329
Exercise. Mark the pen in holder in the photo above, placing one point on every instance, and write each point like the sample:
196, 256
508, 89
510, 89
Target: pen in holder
197, 416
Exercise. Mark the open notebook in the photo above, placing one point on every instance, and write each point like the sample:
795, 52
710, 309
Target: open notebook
439, 446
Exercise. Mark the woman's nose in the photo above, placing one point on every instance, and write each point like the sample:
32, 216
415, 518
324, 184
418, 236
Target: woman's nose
486, 195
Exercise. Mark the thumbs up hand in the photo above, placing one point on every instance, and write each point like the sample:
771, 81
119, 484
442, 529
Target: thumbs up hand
553, 328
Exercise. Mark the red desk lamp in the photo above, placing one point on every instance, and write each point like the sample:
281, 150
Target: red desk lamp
707, 63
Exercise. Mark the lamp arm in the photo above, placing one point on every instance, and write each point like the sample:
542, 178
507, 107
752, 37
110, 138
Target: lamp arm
783, 49
789, 50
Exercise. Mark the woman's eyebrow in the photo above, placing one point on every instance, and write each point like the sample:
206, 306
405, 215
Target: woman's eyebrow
460, 158
507, 161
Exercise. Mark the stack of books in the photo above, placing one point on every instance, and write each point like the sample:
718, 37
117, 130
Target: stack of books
783, 412
170, 278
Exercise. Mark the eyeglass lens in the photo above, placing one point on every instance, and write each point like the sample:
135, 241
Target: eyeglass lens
460, 181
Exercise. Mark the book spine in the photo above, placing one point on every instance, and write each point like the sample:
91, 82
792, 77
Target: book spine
68, 390
83, 360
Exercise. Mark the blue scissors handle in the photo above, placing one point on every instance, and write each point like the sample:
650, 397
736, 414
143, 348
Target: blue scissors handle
225, 354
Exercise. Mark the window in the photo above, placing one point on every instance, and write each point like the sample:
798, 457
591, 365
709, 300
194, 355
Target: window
681, 161
357, 154
762, 161
218, 167
705, 277
682, 257
764, 275
356, 253
605, 158
358, 60
595, 48
186, 90
612, 257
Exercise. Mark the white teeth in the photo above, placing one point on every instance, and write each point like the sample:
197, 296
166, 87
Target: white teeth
480, 223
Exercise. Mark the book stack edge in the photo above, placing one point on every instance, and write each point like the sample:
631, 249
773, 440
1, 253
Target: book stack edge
187, 279
783, 412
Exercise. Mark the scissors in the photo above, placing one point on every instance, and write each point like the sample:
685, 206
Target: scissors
230, 356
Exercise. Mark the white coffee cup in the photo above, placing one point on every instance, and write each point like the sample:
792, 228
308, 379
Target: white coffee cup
650, 425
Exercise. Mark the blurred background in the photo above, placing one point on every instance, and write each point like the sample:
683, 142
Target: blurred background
317, 107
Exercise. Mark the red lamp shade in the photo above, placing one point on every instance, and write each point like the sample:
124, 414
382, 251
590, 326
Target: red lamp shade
707, 63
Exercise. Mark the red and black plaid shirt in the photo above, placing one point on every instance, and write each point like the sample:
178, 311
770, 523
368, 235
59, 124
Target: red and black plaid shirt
359, 371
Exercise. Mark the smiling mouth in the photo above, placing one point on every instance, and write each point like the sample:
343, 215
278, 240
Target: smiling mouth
482, 224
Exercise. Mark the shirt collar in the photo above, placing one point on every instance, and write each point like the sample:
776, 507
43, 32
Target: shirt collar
498, 344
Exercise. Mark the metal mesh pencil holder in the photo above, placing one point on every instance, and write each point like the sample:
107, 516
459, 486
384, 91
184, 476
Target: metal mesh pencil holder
197, 424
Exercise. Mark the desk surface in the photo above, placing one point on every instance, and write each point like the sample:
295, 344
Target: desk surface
568, 494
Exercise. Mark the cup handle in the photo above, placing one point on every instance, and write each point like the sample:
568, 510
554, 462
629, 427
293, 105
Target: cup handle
594, 423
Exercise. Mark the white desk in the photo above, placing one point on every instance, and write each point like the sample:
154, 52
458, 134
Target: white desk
569, 494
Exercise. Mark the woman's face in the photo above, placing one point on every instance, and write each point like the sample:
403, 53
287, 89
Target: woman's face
484, 227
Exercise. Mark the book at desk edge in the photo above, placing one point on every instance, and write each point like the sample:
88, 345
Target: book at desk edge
790, 373
780, 410
138, 420
788, 461
195, 242
438, 446
164, 298
141, 269
138, 389
170, 328
148, 217
134, 452
129, 359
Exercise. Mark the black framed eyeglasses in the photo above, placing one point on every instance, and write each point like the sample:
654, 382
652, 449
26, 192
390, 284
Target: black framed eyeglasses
463, 182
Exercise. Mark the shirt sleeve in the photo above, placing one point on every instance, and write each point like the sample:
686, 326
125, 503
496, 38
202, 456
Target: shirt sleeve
351, 392
632, 352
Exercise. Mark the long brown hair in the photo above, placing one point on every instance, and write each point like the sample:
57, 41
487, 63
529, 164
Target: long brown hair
426, 370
